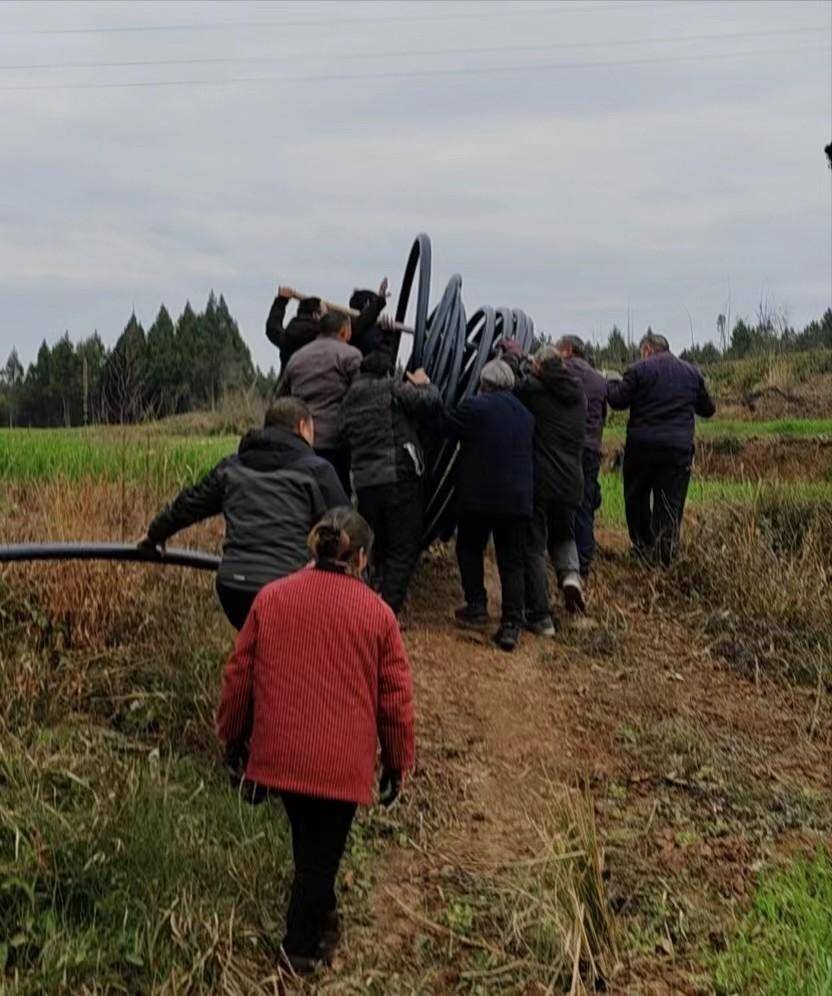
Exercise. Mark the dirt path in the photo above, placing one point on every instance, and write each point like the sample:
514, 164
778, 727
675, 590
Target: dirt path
696, 776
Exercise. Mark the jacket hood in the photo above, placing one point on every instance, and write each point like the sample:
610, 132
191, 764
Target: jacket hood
273, 440
558, 382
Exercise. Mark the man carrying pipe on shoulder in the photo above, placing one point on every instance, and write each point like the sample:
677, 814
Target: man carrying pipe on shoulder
664, 394
271, 493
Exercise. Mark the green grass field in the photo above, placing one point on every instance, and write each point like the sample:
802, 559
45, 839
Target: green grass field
135, 455
779, 428
164, 463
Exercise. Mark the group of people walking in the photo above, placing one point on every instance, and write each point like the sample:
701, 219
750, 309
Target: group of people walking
328, 495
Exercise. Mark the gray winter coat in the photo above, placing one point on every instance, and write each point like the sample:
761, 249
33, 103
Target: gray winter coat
320, 375
271, 492
380, 418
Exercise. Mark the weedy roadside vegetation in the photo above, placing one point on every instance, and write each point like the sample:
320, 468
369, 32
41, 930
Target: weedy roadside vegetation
760, 577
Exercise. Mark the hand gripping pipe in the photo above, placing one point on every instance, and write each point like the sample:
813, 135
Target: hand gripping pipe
453, 350
124, 552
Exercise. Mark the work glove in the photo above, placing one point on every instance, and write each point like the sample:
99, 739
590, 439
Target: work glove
389, 786
236, 758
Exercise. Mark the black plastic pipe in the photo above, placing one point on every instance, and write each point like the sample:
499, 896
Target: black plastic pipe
122, 552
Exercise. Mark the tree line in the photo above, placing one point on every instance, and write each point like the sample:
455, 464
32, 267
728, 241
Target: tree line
169, 369
769, 334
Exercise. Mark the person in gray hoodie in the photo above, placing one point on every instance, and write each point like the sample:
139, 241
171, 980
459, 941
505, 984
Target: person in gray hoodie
271, 492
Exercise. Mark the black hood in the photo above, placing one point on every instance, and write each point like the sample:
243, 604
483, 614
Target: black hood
561, 384
271, 448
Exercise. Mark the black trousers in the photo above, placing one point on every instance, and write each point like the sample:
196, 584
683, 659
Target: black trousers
320, 828
585, 513
655, 488
394, 512
339, 457
552, 529
235, 603
472, 535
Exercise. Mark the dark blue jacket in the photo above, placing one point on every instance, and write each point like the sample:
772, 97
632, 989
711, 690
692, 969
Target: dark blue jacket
495, 471
663, 394
595, 389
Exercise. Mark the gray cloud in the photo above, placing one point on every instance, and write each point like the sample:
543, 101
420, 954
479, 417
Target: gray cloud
573, 192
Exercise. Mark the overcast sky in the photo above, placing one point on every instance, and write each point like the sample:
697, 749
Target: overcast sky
574, 159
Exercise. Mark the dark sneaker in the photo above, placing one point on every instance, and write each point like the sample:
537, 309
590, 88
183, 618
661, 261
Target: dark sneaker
541, 627
330, 938
471, 616
297, 965
573, 592
507, 637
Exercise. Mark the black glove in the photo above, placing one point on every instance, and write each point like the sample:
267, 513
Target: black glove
389, 786
149, 546
236, 756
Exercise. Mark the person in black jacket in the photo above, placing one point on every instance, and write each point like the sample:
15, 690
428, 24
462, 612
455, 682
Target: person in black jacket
367, 334
381, 418
271, 492
664, 394
557, 401
300, 331
494, 487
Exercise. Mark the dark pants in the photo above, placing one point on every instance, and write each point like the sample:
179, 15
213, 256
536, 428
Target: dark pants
472, 535
235, 603
320, 828
655, 488
394, 512
551, 529
339, 457
585, 513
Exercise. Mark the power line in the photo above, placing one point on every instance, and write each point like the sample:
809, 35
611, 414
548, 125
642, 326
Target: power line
419, 74
421, 53
487, 13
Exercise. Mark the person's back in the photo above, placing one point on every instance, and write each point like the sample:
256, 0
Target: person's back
557, 401
274, 490
320, 375
318, 679
495, 464
595, 391
664, 394
381, 419
317, 640
270, 493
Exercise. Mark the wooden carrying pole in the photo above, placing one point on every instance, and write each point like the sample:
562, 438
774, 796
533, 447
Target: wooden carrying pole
353, 312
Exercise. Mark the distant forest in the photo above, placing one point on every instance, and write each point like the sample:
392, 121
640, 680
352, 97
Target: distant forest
769, 334
190, 365
169, 369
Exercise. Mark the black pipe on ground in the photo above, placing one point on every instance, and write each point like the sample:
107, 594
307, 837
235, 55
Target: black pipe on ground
121, 552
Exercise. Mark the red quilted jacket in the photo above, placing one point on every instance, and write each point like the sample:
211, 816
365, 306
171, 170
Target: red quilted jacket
319, 675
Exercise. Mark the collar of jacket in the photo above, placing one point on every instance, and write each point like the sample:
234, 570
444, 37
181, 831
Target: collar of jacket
274, 444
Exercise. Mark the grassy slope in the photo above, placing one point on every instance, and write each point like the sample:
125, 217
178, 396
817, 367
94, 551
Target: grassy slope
107, 751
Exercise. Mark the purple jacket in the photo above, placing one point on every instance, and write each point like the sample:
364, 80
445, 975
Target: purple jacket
663, 394
595, 389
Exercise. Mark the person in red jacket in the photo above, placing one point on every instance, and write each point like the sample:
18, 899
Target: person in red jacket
319, 675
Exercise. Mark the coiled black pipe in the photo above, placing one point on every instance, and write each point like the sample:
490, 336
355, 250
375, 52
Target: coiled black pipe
453, 350
125, 552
